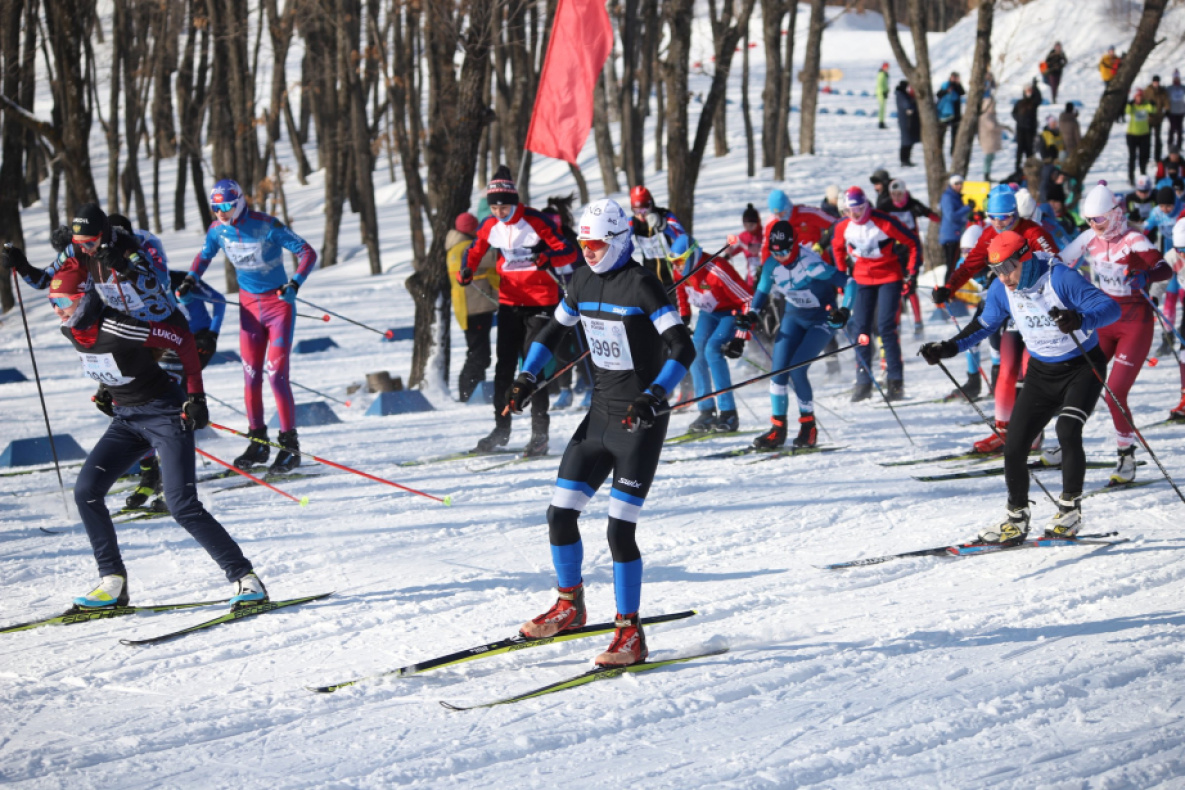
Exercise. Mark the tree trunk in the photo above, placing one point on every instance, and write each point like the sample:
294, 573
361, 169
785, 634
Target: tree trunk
134, 28
810, 78
35, 169
1115, 93
119, 42
969, 126
772, 13
719, 24
782, 145
348, 37
12, 148
750, 146
67, 23
581, 184
604, 137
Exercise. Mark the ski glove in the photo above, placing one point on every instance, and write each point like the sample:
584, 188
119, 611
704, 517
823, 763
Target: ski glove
1067, 320
838, 318
112, 259
103, 401
288, 291
941, 295
60, 238
206, 341
187, 285
521, 391
934, 352
734, 348
1137, 280
910, 285
14, 258
194, 414
465, 276
745, 322
645, 409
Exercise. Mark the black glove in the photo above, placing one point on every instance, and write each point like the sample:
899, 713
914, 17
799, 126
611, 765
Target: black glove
686, 319
60, 238
933, 352
541, 261
1067, 320
521, 391
941, 295
186, 285
838, 318
206, 341
112, 259
194, 413
744, 323
465, 275
15, 258
103, 402
645, 409
734, 348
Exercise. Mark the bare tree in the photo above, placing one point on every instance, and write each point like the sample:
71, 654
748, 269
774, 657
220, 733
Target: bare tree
603, 136
191, 106
773, 12
782, 146
810, 78
969, 126
68, 23
750, 147
12, 149
348, 34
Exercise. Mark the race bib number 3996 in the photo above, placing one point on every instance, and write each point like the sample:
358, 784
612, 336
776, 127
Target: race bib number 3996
608, 343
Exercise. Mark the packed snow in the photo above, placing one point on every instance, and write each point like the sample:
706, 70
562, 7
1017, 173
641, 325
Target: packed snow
1050, 668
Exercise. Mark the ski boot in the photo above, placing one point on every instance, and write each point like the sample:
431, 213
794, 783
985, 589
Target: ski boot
1178, 414
969, 390
289, 457
149, 483
704, 423
808, 432
1125, 470
1068, 519
995, 442
775, 437
628, 645
497, 438
564, 399
1010, 532
863, 391
919, 329
895, 390
248, 590
727, 422
1166, 345
111, 592
256, 453
537, 446
566, 614
1052, 456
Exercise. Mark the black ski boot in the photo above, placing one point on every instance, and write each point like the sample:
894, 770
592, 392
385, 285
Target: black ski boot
895, 390
775, 437
497, 438
288, 458
863, 391
969, 390
149, 483
704, 422
727, 422
808, 432
537, 445
256, 453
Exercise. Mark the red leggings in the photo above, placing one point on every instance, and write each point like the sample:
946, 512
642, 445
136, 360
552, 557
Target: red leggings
1014, 360
1127, 342
265, 341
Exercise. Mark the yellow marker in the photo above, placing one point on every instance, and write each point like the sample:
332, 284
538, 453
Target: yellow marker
448, 499
304, 500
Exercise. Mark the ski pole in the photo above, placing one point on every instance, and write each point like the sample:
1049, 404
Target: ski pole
302, 501
1054, 313
315, 392
983, 375
861, 341
447, 500
387, 334
881, 390
991, 424
1164, 319
45, 412
239, 305
224, 403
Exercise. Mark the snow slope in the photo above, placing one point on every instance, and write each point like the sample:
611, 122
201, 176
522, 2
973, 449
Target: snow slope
1057, 668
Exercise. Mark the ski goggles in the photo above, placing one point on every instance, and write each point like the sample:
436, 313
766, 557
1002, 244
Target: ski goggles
781, 254
1001, 217
64, 302
1008, 265
1097, 220
225, 208
86, 242
596, 245
641, 209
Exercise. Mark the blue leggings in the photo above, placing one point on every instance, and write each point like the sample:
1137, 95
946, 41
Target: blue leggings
710, 370
797, 341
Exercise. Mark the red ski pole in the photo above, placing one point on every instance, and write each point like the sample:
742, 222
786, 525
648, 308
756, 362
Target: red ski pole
302, 501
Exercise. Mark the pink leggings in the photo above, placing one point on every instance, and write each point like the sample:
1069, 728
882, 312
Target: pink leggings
1014, 359
265, 342
1126, 342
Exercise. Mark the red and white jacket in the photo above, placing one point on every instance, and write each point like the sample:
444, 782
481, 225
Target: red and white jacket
1112, 260
749, 245
527, 243
976, 261
713, 288
809, 226
870, 248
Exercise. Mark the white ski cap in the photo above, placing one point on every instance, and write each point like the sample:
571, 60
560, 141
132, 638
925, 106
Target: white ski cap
1179, 234
1099, 201
955, 180
1143, 183
970, 237
1025, 205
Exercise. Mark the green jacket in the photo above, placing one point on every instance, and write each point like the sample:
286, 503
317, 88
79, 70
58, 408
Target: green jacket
882, 84
1138, 116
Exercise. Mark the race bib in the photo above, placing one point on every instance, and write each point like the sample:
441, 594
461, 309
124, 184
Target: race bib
1030, 311
651, 246
1140, 115
103, 369
803, 300
518, 259
121, 297
1110, 278
608, 344
704, 300
246, 256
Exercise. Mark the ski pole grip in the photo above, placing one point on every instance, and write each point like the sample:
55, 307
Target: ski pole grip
863, 340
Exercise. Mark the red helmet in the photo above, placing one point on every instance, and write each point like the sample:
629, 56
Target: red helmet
1007, 251
640, 197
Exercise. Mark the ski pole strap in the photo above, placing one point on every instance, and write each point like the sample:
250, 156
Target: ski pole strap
302, 501
387, 334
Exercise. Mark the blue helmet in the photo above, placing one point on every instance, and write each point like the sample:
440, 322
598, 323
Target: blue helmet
1001, 201
779, 202
226, 192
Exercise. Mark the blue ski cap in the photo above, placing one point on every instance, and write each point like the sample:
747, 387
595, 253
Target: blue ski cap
779, 202
228, 193
1001, 202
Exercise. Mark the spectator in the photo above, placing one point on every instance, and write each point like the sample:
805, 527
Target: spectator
1172, 166
880, 182
1158, 97
1037, 92
1176, 92
1067, 122
830, 202
474, 306
1025, 115
908, 123
1055, 197
954, 219
1108, 65
882, 94
1055, 64
990, 138
950, 107
1051, 143
1139, 204
1139, 134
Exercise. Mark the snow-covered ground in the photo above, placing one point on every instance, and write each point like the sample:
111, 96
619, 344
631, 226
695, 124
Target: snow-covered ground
1057, 668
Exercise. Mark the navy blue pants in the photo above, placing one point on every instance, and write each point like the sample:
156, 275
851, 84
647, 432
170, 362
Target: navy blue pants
135, 429
881, 302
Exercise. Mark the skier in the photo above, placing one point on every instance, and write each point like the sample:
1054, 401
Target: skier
867, 236
654, 230
909, 123
531, 253
1139, 133
809, 286
1138, 204
148, 410
907, 209
882, 94
748, 243
954, 219
1055, 64
1002, 216
1176, 259
1047, 302
971, 388
809, 223
254, 244
475, 306
1123, 263
640, 351
719, 294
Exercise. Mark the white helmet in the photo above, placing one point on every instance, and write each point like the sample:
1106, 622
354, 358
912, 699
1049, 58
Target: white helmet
1101, 202
1025, 205
605, 221
1179, 234
970, 237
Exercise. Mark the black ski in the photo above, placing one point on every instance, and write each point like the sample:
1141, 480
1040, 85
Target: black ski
999, 470
591, 676
439, 459
751, 450
240, 612
1110, 488
934, 459
793, 451
975, 548
270, 477
76, 614
516, 642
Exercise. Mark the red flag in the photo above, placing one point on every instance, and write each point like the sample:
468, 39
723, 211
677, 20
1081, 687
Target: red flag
581, 40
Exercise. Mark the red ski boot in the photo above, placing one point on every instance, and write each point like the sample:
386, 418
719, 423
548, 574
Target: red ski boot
995, 442
629, 643
566, 614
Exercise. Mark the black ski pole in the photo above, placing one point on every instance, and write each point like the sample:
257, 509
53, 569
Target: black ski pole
40, 393
1164, 319
1054, 313
959, 328
992, 424
879, 389
315, 392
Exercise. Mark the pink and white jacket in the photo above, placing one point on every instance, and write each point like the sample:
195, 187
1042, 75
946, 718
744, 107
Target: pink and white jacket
1113, 260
